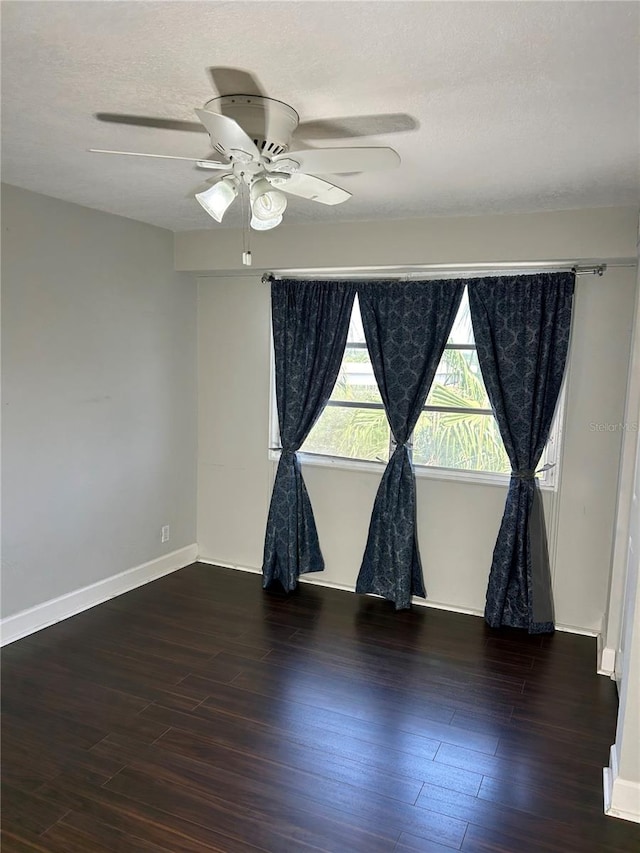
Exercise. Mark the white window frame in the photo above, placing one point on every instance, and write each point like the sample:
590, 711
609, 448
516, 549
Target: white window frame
548, 481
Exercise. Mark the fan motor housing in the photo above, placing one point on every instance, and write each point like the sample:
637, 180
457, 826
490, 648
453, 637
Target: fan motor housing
268, 122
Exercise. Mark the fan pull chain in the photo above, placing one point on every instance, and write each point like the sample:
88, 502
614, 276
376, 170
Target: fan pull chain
246, 231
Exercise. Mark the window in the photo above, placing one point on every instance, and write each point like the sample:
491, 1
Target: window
456, 434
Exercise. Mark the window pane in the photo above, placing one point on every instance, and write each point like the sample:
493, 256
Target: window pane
462, 330
350, 432
467, 441
356, 331
356, 382
443, 439
458, 382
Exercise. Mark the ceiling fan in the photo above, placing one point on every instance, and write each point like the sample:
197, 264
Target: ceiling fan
251, 134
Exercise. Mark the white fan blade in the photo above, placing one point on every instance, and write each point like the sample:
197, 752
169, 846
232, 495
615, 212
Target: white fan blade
204, 164
306, 186
328, 160
226, 135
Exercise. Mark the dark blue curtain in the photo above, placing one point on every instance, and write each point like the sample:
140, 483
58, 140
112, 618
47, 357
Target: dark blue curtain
310, 324
406, 326
521, 326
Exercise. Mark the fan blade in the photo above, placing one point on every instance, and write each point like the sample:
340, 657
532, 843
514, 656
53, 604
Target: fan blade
203, 164
235, 81
328, 160
350, 127
152, 121
307, 186
226, 135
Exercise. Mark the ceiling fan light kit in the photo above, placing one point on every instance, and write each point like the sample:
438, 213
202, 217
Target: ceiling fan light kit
253, 133
266, 202
265, 224
217, 198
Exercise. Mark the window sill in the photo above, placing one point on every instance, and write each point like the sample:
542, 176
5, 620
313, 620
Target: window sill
422, 472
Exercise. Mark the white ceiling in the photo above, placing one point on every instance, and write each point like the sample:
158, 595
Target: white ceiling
518, 106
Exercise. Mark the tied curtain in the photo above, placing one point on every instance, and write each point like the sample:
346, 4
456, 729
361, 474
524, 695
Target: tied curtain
406, 326
521, 326
310, 322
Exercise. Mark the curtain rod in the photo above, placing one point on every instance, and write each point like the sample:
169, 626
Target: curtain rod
592, 267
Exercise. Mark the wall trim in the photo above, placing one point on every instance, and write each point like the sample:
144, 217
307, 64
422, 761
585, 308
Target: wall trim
621, 796
33, 619
606, 659
420, 602
209, 562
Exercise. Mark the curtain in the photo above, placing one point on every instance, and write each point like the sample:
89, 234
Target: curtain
406, 326
521, 326
310, 322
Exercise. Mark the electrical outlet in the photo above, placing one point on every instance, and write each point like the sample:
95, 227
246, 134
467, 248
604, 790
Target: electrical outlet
165, 533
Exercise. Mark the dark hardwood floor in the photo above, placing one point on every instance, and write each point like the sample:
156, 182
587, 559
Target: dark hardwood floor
200, 713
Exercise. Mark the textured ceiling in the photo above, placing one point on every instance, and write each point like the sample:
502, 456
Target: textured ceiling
518, 106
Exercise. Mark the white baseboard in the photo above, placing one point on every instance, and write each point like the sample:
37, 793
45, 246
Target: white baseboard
621, 796
606, 659
49, 612
576, 629
210, 562
314, 580
419, 602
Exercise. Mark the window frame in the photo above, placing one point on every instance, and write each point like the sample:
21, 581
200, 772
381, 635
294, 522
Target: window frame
548, 481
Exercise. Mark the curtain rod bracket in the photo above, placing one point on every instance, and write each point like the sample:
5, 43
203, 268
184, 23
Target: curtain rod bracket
268, 277
598, 270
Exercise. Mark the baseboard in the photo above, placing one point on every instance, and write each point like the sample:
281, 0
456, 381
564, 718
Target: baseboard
606, 659
419, 602
312, 579
576, 629
223, 565
55, 610
621, 796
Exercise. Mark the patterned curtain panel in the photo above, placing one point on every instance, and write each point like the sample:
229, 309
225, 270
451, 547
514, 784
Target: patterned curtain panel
521, 326
406, 326
310, 324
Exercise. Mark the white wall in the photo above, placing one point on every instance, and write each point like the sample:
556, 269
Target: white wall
234, 474
457, 522
607, 232
99, 397
622, 629
611, 657
597, 383
622, 777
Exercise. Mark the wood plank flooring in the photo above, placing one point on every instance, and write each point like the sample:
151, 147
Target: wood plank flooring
200, 713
